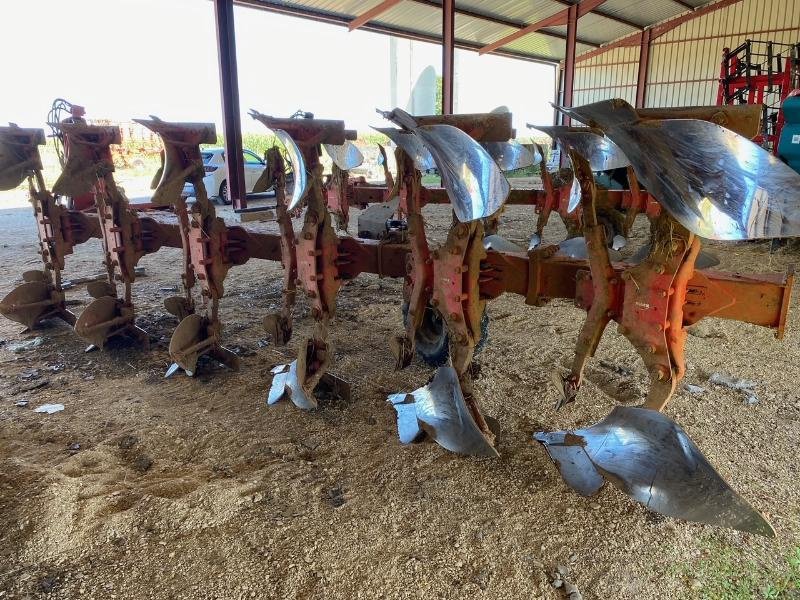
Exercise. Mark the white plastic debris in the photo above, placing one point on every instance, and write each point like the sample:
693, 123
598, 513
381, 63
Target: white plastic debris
733, 383
17, 347
694, 389
745, 386
49, 408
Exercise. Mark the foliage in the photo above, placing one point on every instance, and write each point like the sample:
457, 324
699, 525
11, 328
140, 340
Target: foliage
439, 96
257, 142
723, 575
261, 142
372, 139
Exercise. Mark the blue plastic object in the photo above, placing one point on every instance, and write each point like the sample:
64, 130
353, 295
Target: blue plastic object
789, 144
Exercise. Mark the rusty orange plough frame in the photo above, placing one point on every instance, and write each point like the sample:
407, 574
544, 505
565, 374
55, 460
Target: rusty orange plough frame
653, 302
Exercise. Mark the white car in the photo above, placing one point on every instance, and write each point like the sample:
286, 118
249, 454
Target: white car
216, 174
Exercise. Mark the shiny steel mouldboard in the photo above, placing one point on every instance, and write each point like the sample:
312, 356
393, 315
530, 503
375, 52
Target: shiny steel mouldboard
602, 153
474, 182
713, 181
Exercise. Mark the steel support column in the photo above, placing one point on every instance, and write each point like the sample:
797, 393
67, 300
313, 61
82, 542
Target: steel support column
229, 87
644, 67
569, 59
448, 54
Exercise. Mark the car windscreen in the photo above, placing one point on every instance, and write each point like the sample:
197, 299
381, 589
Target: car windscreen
206, 157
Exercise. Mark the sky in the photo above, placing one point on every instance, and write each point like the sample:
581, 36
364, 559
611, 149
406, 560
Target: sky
123, 59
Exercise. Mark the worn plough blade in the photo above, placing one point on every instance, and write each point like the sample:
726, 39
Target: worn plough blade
510, 155
28, 303
107, 317
501, 244
411, 145
299, 168
474, 182
279, 327
287, 384
601, 152
715, 182
576, 248
19, 154
346, 156
178, 306
440, 411
90, 157
192, 339
180, 158
651, 459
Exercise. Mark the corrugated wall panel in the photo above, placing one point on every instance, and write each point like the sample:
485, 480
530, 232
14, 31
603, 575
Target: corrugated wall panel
685, 62
608, 75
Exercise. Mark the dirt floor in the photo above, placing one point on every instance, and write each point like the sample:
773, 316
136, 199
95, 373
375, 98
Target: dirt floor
193, 488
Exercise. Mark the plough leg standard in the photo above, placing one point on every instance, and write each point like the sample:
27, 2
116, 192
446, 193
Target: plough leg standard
455, 282
41, 296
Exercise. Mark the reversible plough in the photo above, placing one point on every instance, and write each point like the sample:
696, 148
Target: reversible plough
693, 172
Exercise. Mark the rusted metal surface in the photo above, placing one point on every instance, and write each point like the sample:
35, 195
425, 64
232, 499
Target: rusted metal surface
653, 299
210, 247
229, 93
89, 167
448, 55
41, 296
601, 311
482, 127
744, 119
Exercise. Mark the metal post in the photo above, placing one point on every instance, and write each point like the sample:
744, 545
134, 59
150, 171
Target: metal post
644, 67
448, 54
569, 58
558, 116
229, 86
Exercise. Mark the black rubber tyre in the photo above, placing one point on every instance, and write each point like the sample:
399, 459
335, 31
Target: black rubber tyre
223, 192
433, 343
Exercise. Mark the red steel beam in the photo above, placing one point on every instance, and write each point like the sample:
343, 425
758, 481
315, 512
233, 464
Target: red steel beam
278, 7
569, 61
560, 18
556, 19
229, 87
587, 6
448, 55
605, 15
373, 12
658, 30
644, 67
492, 18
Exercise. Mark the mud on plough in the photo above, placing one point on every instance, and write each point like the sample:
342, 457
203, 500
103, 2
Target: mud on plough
724, 188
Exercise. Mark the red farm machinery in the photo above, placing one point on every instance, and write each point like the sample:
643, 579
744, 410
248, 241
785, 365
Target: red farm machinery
672, 180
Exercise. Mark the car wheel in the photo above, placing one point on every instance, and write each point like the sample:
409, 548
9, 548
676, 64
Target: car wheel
433, 343
223, 193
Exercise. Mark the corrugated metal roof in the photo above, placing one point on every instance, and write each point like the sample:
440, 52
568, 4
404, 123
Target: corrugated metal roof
513, 10
414, 17
479, 23
643, 13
